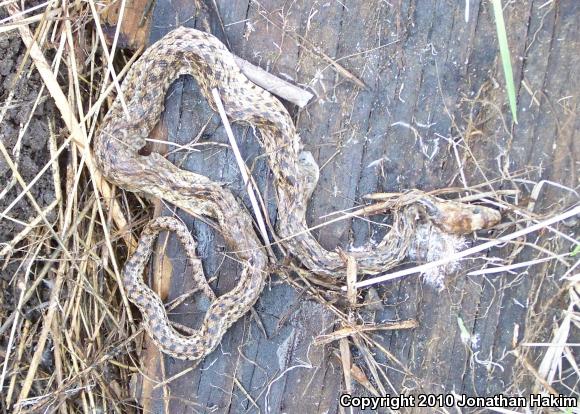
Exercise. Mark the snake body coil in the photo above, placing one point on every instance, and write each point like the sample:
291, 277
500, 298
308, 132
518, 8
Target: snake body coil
117, 153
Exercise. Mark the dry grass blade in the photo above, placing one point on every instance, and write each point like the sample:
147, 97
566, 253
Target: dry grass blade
355, 329
70, 120
9, 247
468, 252
53, 306
31, 198
69, 267
248, 182
17, 314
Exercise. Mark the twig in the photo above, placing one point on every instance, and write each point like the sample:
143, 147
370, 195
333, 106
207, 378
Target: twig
274, 84
345, 355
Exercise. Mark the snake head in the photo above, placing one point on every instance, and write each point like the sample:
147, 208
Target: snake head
459, 218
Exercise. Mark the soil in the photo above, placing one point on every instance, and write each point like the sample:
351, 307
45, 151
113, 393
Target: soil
23, 132
33, 144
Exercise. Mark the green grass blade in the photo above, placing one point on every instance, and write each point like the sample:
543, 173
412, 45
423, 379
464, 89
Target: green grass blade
505, 57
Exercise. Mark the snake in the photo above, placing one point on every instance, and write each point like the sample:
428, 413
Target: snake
122, 156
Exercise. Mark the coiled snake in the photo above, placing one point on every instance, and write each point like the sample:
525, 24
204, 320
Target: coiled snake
117, 153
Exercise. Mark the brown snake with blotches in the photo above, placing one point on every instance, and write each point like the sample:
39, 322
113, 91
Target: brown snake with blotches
117, 150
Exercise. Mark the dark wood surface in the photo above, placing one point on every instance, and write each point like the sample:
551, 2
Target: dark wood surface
433, 82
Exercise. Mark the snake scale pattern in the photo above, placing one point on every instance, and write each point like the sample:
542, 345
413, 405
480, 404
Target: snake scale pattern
118, 150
